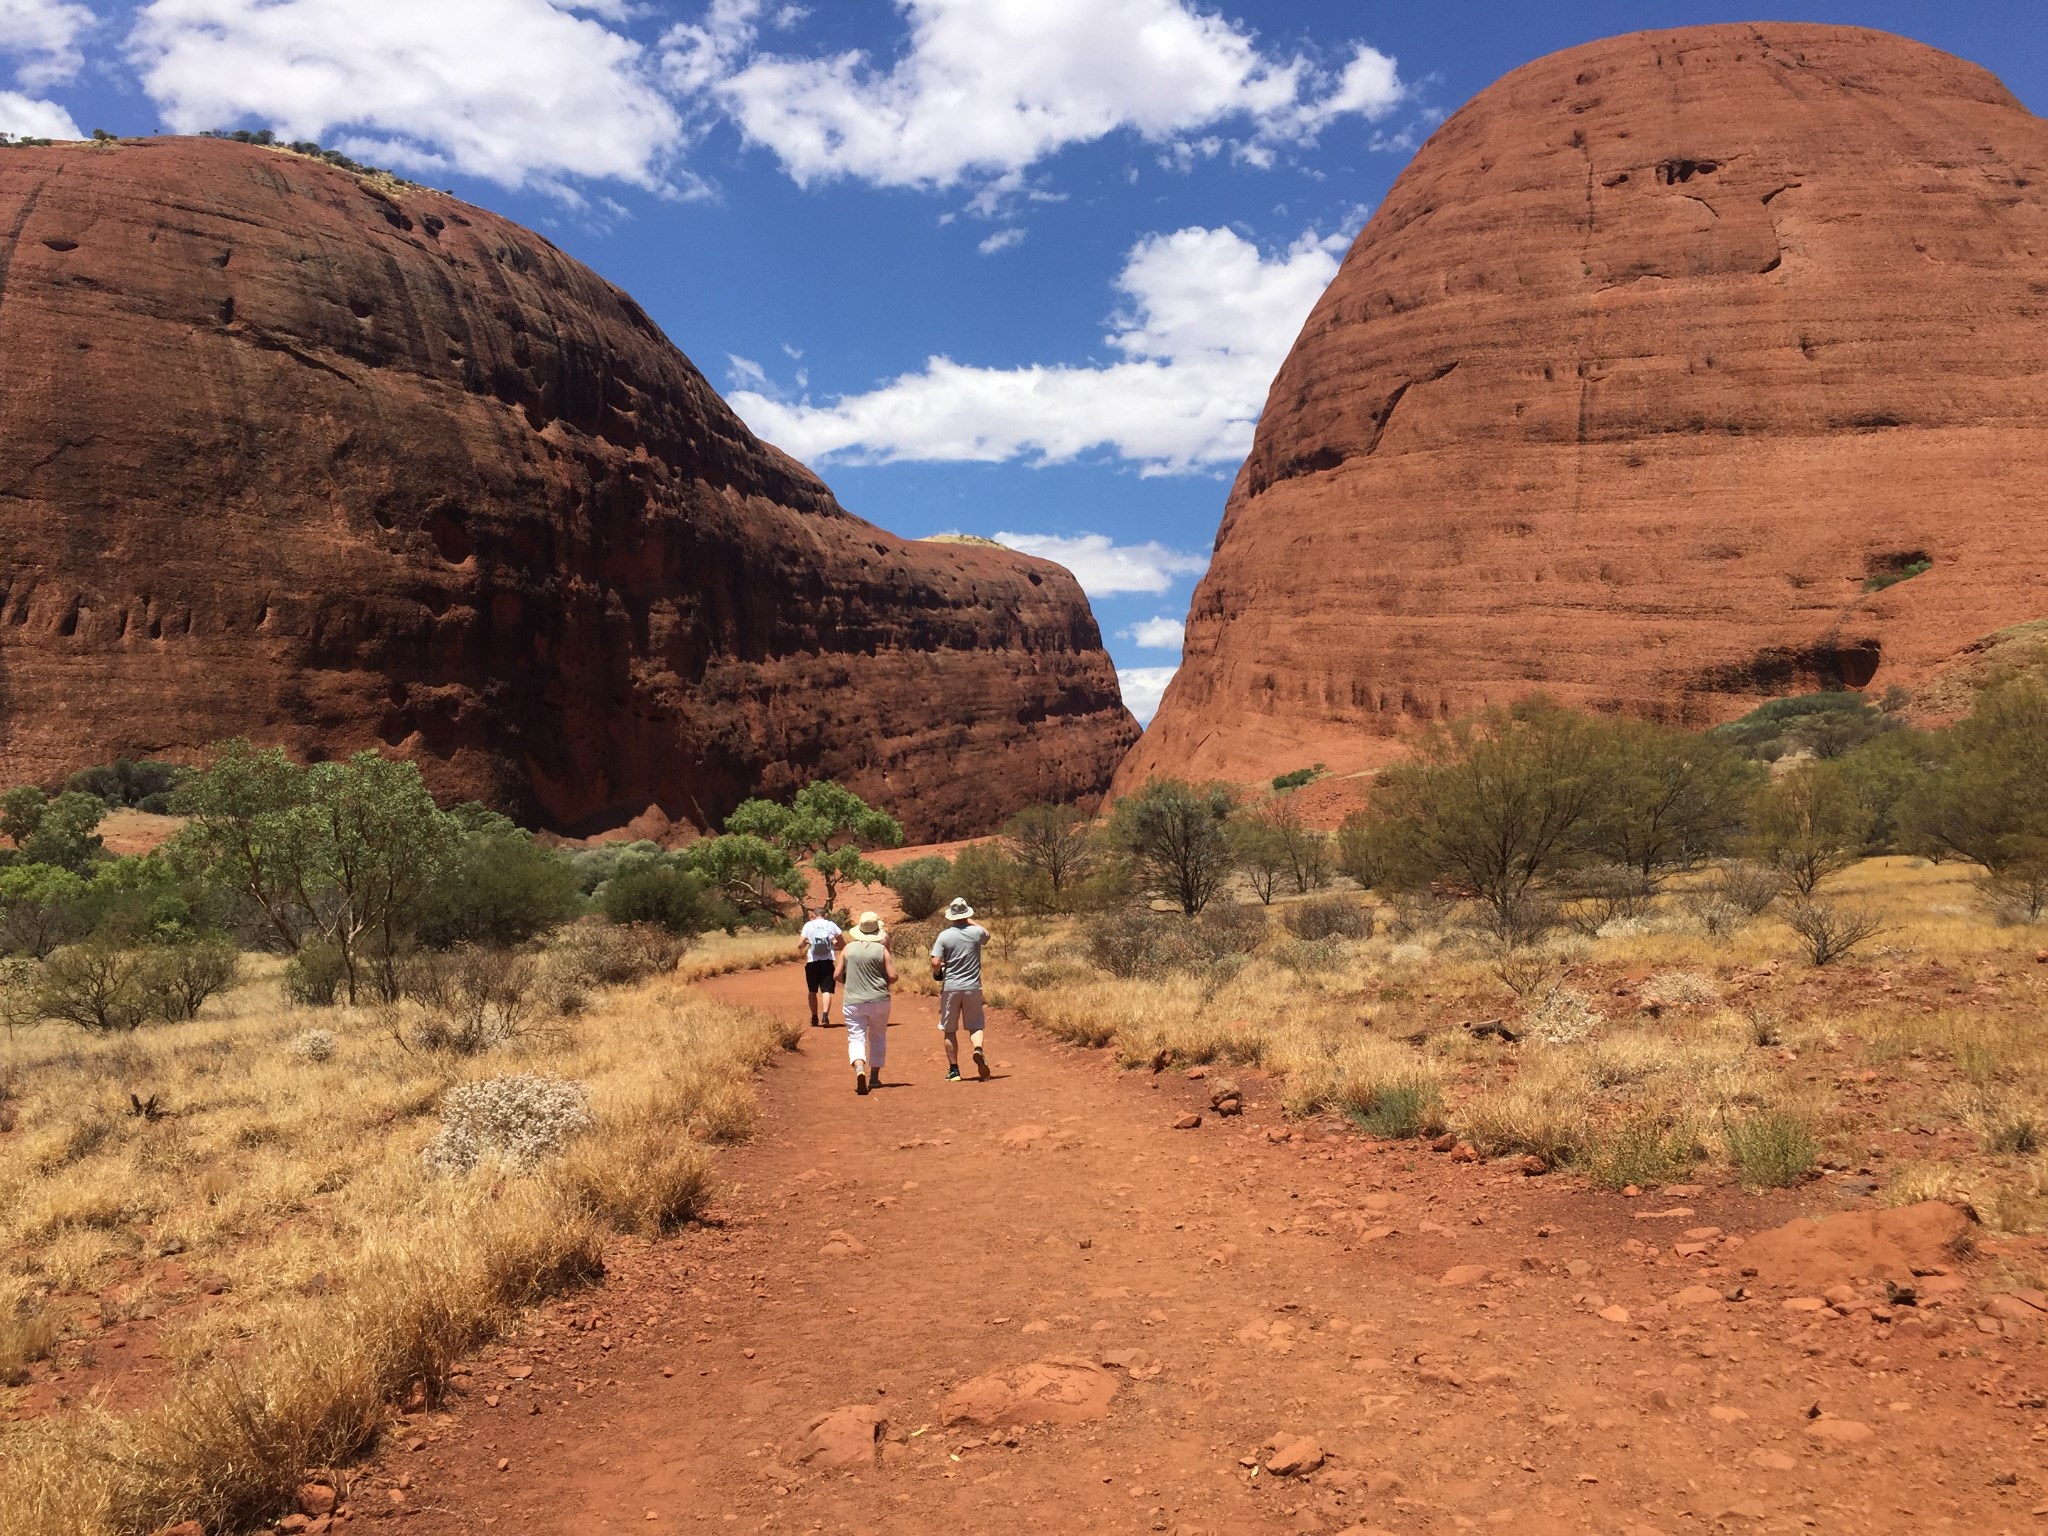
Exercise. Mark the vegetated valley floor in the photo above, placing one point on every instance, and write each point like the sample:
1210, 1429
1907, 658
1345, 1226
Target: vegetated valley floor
1121, 1320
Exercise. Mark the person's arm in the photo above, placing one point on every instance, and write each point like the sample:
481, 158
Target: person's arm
938, 963
803, 947
839, 970
888, 967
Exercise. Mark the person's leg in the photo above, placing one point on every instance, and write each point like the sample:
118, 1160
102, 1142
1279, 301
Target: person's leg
948, 1026
877, 1039
977, 1027
811, 989
857, 1045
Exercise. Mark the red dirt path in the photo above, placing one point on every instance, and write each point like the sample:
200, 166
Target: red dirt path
877, 1253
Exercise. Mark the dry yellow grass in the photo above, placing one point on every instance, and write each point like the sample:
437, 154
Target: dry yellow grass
1744, 1063
354, 1273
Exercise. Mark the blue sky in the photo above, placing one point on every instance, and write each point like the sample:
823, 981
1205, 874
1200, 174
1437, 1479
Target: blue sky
1020, 268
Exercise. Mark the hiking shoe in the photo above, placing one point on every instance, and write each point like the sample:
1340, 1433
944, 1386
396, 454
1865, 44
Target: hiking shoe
952, 1074
860, 1081
980, 1064
875, 1078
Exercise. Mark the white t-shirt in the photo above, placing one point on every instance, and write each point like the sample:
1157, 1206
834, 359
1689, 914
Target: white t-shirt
821, 933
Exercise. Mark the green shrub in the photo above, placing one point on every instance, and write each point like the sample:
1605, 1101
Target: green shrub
145, 785
177, 979
96, 985
1328, 917
1225, 929
1400, 1110
314, 975
984, 877
501, 888
1298, 777
670, 898
1642, 1149
1772, 1149
917, 884
41, 907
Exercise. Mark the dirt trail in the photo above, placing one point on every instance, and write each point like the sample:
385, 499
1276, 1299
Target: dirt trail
1472, 1350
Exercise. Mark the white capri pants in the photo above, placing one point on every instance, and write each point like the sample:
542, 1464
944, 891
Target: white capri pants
867, 1033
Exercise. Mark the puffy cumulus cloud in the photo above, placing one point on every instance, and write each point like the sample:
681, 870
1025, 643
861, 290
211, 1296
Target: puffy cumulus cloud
1001, 240
520, 92
25, 117
1143, 688
1105, 568
43, 36
989, 87
1209, 319
1156, 634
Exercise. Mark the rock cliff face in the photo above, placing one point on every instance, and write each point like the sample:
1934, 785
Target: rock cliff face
337, 463
1659, 359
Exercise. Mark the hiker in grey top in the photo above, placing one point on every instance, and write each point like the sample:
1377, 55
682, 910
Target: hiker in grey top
956, 966
865, 973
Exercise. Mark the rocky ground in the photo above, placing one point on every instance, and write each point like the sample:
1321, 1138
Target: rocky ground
1034, 1304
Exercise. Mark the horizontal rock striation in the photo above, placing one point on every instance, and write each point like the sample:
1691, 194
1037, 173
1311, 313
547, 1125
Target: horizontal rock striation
1659, 364
336, 462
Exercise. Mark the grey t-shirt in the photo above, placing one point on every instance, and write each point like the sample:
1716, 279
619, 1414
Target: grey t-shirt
960, 951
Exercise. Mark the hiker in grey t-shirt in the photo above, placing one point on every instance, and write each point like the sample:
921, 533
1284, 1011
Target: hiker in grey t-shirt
956, 966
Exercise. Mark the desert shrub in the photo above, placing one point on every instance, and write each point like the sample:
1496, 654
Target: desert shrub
660, 894
1525, 919
1295, 778
1599, 894
1418, 912
1225, 929
475, 998
1826, 724
917, 883
913, 941
1303, 957
312, 1045
177, 979
517, 1120
1328, 917
41, 907
2017, 896
1562, 1016
1679, 989
500, 887
1746, 885
1357, 848
1176, 834
1830, 932
95, 985
603, 954
1771, 1149
313, 977
1140, 943
1259, 848
1058, 852
1538, 1115
1810, 823
985, 878
1395, 1110
1642, 1148
146, 784
1058, 972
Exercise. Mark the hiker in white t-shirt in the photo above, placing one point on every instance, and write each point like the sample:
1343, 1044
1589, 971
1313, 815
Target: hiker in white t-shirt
819, 945
956, 967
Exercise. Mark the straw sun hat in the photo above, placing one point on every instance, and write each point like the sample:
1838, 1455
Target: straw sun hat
870, 926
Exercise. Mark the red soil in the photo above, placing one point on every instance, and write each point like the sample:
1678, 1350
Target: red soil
1468, 1348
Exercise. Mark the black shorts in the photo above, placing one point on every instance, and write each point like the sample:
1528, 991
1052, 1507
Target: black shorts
818, 975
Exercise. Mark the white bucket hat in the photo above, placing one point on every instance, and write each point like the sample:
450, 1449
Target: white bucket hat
869, 926
959, 911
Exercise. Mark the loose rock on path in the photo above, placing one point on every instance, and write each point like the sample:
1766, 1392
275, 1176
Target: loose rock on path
1031, 1304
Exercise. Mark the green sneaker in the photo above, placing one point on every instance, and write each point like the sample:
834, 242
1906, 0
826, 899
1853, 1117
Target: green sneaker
952, 1074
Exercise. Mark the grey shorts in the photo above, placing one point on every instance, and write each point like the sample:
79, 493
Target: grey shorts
960, 1010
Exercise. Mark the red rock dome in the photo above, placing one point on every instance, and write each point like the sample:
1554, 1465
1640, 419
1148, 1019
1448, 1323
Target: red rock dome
335, 462
1660, 361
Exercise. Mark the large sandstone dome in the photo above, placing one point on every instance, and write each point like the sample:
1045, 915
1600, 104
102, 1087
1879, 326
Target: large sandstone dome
1660, 351
334, 462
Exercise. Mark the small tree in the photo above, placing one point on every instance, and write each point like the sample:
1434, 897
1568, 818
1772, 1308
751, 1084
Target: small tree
57, 832
1356, 849
177, 979
1808, 824
1831, 932
250, 830
1055, 847
1987, 797
41, 907
1176, 833
826, 826
673, 898
96, 985
750, 873
1259, 848
499, 887
1668, 798
917, 883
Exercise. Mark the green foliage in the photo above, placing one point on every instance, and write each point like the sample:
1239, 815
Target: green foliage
315, 975
1176, 834
97, 985
917, 883
1400, 1110
41, 907
350, 851
750, 873
499, 887
1642, 1148
826, 826
1056, 849
145, 784
1808, 823
1878, 581
177, 979
1491, 805
1668, 797
665, 894
58, 831
983, 877
1298, 777
1357, 845
1987, 799
1772, 1149
1259, 849
1824, 724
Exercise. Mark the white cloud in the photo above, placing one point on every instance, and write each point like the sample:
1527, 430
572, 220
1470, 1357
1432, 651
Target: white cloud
1156, 634
990, 87
1209, 321
521, 92
1105, 568
745, 372
1143, 688
24, 117
44, 35
1001, 240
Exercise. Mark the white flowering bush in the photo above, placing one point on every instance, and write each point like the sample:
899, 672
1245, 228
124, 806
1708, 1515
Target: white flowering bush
1679, 989
313, 1045
1564, 1016
516, 1120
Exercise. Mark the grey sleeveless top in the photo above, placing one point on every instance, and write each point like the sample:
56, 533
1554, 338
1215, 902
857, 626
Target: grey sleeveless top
867, 979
